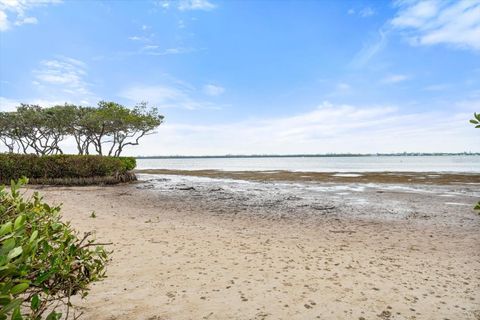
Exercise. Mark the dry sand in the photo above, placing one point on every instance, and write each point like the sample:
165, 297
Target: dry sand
190, 250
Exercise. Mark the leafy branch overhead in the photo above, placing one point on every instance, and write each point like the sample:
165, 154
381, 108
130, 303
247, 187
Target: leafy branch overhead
476, 120
104, 130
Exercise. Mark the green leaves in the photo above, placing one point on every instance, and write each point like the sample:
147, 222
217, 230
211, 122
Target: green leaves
35, 302
476, 120
13, 304
15, 252
41, 258
19, 288
106, 129
6, 228
64, 169
19, 222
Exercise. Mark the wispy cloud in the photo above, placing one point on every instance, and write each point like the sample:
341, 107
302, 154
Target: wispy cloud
4, 25
371, 48
204, 5
454, 23
144, 34
430, 22
7, 104
213, 90
155, 50
186, 5
437, 87
340, 89
15, 12
366, 12
395, 78
327, 128
63, 77
26, 20
342, 86
139, 38
165, 96
148, 45
363, 13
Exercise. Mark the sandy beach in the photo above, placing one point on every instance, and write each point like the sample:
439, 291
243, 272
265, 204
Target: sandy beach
202, 248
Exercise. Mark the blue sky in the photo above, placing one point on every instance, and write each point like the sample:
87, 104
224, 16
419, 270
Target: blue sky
244, 77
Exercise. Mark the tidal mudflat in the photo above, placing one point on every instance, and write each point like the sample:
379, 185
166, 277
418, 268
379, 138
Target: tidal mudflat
196, 247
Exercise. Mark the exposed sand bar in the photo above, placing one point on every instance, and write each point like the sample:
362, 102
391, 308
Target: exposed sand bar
196, 248
334, 177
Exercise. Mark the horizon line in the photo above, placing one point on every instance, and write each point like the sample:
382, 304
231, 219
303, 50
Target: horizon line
307, 155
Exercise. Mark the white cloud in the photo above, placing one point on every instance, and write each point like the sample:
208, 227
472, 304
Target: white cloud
366, 12
342, 86
179, 50
155, 50
165, 4
196, 5
370, 49
327, 128
340, 90
395, 78
4, 25
14, 12
470, 105
167, 97
139, 38
26, 20
63, 78
213, 90
454, 23
150, 47
7, 104
437, 87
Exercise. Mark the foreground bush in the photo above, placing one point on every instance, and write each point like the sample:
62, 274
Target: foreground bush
43, 262
66, 169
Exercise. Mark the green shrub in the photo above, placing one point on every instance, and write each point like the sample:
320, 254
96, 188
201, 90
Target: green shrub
47, 168
129, 162
43, 261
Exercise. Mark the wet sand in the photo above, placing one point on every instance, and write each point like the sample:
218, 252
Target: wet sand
333, 177
199, 248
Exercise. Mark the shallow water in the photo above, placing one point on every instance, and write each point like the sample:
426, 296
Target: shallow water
322, 164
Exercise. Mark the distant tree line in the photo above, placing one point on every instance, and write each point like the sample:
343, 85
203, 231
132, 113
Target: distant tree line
103, 130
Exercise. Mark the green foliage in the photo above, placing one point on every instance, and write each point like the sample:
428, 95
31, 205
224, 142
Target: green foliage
35, 129
105, 130
43, 262
129, 162
476, 120
15, 166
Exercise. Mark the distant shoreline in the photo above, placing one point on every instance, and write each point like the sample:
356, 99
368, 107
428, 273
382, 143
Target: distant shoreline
407, 154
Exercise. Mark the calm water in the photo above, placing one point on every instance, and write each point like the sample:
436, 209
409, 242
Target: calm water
322, 164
